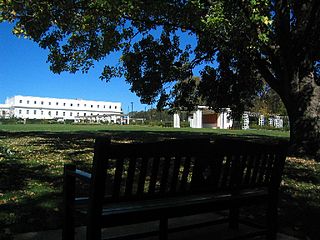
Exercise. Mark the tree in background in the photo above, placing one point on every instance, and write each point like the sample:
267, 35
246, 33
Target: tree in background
268, 103
238, 44
153, 115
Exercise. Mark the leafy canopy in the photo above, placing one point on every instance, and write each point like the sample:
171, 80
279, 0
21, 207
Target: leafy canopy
243, 37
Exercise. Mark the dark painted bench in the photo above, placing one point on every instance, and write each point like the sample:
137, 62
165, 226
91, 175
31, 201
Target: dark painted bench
141, 182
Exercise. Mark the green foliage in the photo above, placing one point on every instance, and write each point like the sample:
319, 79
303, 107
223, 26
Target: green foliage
159, 70
151, 63
240, 35
153, 115
10, 121
269, 103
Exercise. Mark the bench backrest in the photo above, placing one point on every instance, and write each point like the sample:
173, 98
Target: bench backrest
237, 164
150, 170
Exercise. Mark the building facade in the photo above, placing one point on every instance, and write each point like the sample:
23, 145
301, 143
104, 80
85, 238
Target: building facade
60, 109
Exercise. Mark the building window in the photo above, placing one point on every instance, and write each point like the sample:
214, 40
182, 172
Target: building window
41, 102
98, 106
57, 113
64, 104
110, 107
20, 111
84, 114
104, 106
115, 107
20, 101
78, 105
91, 114
85, 105
41, 112
35, 102
35, 112
70, 114
71, 104
78, 114
49, 113
57, 103
49, 103
27, 111
64, 114
28, 102
91, 106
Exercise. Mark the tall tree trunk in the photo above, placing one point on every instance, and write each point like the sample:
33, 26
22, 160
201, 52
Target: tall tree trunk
303, 106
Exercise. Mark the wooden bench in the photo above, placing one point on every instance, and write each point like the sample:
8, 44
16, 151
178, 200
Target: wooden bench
141, 182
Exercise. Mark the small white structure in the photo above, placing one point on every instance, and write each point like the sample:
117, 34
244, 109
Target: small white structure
261, 120
176, 120
271, 121
196, 120
277, 122
224, 119
29, 107
245, 121
203, 117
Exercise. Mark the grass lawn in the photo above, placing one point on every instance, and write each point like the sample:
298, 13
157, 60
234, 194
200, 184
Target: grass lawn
132, 128
32, 158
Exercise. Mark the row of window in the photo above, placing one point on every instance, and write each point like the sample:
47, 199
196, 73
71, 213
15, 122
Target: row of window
71, 104
56, 113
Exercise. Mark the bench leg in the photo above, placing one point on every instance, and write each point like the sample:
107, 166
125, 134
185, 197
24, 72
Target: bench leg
272, 221
163, 228
68, 230
234, 218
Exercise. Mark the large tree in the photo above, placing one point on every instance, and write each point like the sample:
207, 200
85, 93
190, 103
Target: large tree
239, 43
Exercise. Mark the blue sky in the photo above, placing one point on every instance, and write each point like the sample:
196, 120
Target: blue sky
24, 71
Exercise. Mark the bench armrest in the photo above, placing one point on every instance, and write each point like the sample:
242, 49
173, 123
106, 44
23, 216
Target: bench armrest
85, 176
76, 173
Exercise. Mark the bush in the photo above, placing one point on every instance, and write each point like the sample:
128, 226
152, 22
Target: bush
10, 121
184, 124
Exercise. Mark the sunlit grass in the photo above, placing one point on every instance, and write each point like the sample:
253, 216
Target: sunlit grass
134, 128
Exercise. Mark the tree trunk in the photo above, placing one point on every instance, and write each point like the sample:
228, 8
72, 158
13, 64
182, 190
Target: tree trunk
303, 107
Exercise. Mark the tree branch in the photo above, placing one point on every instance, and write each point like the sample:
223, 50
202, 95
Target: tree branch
267, 74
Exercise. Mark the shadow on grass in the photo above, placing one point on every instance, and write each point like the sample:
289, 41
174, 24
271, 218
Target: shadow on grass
20, 175
300, 199
34, 214
31, 189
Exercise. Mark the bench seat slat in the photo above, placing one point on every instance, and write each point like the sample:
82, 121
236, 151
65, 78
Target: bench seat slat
130, 178
142, 176
118, 179
185, 174
154, 175
126, 213
115, 208
165, 175
175, 174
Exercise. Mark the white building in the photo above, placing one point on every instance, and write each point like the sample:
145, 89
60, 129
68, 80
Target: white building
28, 107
